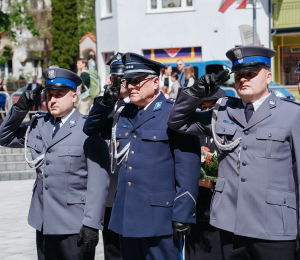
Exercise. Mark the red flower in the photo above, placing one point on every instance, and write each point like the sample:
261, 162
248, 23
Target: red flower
205, 148
208, 156
207, 161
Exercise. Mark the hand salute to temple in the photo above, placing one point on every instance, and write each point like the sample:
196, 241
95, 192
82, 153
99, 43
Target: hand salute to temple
257, 139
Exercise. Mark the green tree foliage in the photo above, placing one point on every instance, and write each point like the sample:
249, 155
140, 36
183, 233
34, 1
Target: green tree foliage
6, 54
86, 17
13, 21
65, 37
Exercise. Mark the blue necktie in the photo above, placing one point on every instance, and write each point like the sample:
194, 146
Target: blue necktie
249, 110
140, 112
57, 126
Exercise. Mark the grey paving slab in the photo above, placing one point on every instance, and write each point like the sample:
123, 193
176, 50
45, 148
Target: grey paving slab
17, 238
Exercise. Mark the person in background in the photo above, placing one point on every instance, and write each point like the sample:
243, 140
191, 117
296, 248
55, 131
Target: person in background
204, 240
298, 71
3, 99
176, 85
33, 86
85, 100
189, 76
165, 78
165, 91
180, 71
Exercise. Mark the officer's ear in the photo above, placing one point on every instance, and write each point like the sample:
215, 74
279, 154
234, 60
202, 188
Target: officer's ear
156, 83
74, 95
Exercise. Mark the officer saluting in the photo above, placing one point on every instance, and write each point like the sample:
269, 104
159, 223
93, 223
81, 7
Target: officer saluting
160, 168
257, 139
72, 180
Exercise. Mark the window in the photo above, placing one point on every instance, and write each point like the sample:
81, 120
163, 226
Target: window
156, 6
106, 8
34, 4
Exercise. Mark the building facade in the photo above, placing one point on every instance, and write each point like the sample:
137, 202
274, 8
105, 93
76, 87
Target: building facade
166, 30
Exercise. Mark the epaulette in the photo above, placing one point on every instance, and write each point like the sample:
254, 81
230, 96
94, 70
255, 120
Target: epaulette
41, 113
85, 116
291, 100
171, 100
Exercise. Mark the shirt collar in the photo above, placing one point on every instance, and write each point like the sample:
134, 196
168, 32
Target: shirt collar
151, 101
66, 117
257, 103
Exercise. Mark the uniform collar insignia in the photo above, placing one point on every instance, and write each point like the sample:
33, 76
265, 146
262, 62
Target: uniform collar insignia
51, 74
272, 102
72, 122
157, 105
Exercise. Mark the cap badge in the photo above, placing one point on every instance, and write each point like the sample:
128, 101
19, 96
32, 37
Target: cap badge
157, 105
51, 74
272, 102
240, 61
119, 57
72, 122
238, 54
128, 57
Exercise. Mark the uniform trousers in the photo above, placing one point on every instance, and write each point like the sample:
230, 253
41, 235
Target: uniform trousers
150, 248
60, 247
111, 241
245, 248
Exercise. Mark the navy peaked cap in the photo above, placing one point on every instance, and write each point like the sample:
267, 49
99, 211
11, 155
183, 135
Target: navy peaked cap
57, 78
138, 66
247, 58
116, 65
298, 69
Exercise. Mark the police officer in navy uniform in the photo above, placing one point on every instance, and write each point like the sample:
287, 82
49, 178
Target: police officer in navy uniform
159, 167
257, 139
70, 190
111, 240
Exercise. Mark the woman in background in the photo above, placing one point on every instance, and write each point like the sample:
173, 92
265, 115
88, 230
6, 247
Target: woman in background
176, 85
189, 76
165, 78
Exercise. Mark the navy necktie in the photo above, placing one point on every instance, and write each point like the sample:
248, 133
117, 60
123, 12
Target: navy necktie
140, 112
249, 110
57, 126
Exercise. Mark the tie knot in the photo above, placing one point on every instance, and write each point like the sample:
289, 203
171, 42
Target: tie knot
57, 120
249, 106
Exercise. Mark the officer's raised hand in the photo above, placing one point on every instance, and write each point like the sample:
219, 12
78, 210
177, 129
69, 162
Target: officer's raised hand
89, 237
112, 92
28, 98
181, 229
207, 85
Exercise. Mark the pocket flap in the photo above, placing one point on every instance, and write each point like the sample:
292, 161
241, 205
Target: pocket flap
73, 150
155, 135
225, 128
282, 198
76, 196
162, 198
122, 132
269, 133
220, 184
35, 144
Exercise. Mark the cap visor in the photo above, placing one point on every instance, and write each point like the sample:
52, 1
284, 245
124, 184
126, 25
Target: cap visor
297, 70
135, 75
58, 86
239, 68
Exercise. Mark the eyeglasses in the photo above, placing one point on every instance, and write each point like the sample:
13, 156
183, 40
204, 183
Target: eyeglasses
134, 82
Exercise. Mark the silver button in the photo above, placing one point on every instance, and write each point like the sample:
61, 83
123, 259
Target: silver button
129, 184
69, 152
167, 203
119, 134
132, 152
154, 137
194, 215
134, 137
270, 135
129, 168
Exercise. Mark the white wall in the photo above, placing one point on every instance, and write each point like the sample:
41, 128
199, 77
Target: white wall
132, 29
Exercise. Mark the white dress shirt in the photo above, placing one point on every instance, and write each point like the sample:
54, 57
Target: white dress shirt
257, 103
64, 119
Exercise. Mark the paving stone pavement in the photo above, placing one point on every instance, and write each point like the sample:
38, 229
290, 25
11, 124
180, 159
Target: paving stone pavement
17, 238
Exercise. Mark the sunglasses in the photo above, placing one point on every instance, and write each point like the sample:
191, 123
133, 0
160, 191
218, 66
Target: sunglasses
133, 82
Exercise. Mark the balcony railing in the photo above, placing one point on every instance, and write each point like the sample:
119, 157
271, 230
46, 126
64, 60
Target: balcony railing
286, 15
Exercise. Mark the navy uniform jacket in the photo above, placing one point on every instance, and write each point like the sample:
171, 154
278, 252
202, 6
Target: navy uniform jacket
159, 183
75, 183
257, 200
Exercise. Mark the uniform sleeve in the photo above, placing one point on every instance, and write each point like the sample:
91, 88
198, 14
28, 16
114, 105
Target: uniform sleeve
184, 117
11, 133
86, 80
98, 121
187, 157
98, 162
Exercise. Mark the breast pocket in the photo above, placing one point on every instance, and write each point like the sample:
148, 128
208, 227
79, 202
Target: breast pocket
270, 142
154, 143
225, 131
36, 145
122, 136
68, 158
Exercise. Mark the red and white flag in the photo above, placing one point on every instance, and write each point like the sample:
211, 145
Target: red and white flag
225, 5
242, 5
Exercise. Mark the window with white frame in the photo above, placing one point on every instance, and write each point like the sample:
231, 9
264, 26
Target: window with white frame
106, 8
155, 6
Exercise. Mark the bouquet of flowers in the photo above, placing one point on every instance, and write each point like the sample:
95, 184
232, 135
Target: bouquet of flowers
209, 165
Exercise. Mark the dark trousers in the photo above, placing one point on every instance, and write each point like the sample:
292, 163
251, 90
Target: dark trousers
150, 248
111, 241
60, 247
244, 248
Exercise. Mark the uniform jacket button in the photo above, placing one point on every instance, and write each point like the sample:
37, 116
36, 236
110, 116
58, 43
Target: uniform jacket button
270, 135
244, 163
243, 179
47, 163
129, 184
154, 137
82, 199
167, 203
46, 175
46, 187
246, 133
245, 148
132, 152
194, 215
134, 137
129, 168
49, 151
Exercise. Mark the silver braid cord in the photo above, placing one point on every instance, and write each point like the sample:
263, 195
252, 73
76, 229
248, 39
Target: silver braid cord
39, 161
123, 154
224, 147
